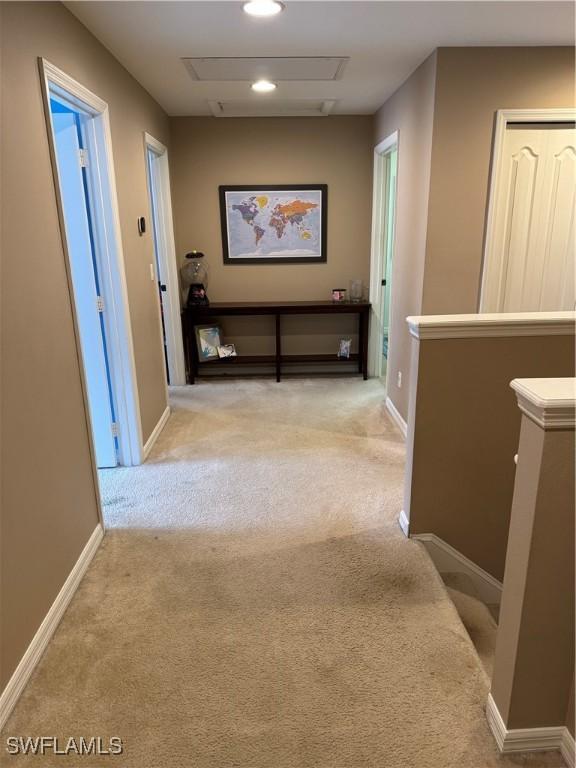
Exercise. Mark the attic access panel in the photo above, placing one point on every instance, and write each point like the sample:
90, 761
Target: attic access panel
277, 69
272, 107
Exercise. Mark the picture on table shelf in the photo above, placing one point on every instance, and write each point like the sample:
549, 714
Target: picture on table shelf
274, 224
207, 341
344, 348
227, 350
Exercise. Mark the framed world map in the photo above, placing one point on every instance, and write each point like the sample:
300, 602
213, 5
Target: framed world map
274, 224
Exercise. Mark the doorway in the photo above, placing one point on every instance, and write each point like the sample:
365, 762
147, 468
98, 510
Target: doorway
530, 237
68, 124
158, 175
382, 257
80, 145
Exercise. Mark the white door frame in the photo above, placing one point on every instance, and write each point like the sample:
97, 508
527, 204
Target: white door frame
110, 256
492, 266
379, 223
167, 258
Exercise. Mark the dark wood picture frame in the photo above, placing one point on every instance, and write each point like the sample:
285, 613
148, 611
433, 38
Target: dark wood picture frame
322, 188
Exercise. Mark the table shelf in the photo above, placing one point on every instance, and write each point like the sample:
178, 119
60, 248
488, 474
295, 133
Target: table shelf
271, 359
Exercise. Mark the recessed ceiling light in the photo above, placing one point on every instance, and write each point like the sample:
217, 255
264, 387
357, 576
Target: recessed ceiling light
262, 8
263, 86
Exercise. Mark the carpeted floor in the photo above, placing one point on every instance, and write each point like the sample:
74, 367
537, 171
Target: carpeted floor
477, 617
255, 605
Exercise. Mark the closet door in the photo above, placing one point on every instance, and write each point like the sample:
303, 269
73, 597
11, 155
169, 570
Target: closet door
559, 236
531, 264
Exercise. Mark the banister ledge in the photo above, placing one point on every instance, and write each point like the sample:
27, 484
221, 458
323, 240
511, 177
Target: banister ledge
551, 403
492, 325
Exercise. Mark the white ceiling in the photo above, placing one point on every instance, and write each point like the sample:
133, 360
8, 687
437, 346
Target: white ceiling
385, 42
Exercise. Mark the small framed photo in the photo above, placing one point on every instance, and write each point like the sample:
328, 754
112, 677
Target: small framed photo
338, 295
227, 350
207, 341
344, 349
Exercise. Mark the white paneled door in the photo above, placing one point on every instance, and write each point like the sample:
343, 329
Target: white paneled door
530, 252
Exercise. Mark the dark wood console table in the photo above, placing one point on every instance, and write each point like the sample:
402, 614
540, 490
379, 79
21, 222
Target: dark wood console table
200, 315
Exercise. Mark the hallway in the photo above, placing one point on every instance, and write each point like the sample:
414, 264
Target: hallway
254, 603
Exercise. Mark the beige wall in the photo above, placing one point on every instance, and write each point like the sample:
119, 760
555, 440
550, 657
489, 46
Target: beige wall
337, 151
471, 84
534, 662
409, 111
464, 434
49, 506
445, 115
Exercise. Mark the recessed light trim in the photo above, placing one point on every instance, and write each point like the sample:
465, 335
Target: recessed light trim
263, 8
263, 86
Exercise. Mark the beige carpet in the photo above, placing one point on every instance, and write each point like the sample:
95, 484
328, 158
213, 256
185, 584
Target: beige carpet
255, 604
476, 616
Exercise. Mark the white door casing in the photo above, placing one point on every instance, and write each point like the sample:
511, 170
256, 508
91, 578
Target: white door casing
166, 263
530, 237
380, 229
389, 234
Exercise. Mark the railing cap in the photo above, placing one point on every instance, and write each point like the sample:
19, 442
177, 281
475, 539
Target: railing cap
492, 325
551, 403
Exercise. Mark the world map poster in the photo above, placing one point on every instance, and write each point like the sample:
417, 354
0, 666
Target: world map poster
269, 224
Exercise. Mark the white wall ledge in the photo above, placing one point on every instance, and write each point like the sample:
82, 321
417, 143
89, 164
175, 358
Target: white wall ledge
551, 403
492, 325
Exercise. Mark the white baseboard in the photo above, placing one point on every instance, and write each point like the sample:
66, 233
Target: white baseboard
404, 523
34, 652
395, 413
148, 445
568, 749
450, 560
528, 739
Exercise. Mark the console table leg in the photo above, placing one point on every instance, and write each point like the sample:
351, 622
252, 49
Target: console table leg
192, 354
360, 341
363, 343
278, 349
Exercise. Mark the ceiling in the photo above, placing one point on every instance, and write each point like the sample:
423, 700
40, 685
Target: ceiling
384, 42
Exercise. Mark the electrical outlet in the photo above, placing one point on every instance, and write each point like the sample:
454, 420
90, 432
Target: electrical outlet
399, 380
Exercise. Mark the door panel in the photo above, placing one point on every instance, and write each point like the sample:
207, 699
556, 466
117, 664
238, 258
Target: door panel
84, 280
559, 244
534, 224
519, 224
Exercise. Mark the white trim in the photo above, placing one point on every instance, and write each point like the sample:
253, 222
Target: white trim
73, 87
34, 652
528, 739
494, 324
123, 362
154, 144
397, 417
111, 257
156, 432
550, 403
490, 289
172, 319
450, 560
568, 749
376, 261
404, 523
387, 144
